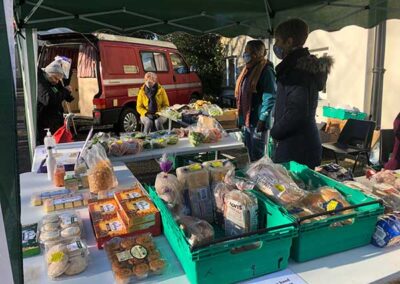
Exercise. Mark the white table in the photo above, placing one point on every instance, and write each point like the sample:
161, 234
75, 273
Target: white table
99, 269
359, 266
182, 148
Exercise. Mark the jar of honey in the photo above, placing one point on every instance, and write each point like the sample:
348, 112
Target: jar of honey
59, 174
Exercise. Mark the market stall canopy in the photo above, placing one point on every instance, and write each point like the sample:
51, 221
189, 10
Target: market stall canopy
230, 18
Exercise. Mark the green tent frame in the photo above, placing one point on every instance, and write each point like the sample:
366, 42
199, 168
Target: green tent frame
256, 18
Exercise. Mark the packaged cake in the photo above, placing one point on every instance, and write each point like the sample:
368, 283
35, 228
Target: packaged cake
134, 258
37, 199
102, 209
68, 201
138, 214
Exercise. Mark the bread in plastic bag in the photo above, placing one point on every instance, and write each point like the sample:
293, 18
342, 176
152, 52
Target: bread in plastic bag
218, 170
100, 174
240, 212
169, 189
197, 231
196, 191
238, 182
274, 180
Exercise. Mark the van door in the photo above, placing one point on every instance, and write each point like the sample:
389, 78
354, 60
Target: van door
156, 61
180, 77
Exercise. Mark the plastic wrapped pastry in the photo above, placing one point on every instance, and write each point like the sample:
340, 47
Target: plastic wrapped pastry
197, 231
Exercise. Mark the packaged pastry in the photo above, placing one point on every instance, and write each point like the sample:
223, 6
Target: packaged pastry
358, 186
198, 232
138, 214
66, 258
218, 170
30, 244
134, 258
101, 209
240, 212
37, 199
129, 194
274, 181
69, 201
58, 227
112, 227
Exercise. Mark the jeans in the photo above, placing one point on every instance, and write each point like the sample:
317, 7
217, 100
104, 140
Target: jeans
255, 143
149, 123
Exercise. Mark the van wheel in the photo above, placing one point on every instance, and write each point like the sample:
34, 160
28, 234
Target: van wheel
128, 120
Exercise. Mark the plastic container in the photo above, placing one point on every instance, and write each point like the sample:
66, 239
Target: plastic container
342, 114
134, 258
59, 175
251, 255
50, 163
321, 238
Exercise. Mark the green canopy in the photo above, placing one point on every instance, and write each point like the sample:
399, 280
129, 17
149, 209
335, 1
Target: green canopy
230, 18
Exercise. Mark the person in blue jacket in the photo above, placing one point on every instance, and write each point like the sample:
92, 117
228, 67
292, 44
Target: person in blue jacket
300, 76
255, 97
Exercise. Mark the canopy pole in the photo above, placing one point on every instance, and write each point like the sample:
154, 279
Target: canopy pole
377, 73
9, 180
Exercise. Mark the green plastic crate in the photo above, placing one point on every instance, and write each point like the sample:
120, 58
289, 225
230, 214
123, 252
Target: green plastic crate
342, 114
233, 259
320, 238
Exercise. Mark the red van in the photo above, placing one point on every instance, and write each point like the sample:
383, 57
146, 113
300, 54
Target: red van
108, 70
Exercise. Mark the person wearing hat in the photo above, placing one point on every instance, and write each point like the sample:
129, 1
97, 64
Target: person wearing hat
51, 94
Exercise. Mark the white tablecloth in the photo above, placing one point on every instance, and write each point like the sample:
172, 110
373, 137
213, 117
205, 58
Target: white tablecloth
182, 148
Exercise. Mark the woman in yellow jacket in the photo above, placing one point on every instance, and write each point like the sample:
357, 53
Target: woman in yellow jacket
151, 99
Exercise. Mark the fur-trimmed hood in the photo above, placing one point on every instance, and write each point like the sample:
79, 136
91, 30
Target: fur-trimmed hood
302, 68
315, 65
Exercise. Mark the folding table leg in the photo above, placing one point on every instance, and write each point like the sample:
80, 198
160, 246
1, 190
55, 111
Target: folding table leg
336, 159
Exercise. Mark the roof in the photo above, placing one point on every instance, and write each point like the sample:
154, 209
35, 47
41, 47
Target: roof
256, 18
159, 43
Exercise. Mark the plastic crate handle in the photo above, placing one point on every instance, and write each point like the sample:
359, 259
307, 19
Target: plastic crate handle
257, 232
379, 201
245, 248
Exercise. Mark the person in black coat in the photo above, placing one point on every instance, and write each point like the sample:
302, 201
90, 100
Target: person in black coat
51, 94
300, 76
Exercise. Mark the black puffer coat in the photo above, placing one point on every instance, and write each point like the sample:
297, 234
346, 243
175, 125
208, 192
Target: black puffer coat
300, 76
49, 106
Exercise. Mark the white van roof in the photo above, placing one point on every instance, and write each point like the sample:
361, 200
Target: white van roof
158, 43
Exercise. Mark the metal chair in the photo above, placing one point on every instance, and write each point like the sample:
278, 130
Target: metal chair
354, 140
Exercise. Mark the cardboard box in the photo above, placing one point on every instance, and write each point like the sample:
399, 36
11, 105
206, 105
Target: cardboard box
138, 211
228, 115
103, 209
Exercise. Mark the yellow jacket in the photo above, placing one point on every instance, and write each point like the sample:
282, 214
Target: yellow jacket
142, 103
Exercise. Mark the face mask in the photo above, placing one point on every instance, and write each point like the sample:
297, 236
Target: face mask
246, 57
278, 51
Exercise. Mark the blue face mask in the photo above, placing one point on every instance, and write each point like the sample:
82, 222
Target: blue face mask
278, 51
246, 57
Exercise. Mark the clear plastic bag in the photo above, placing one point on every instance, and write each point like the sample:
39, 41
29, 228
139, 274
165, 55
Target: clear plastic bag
274, 180
218, 169
212, 110
169, 189
101, 174
197, 231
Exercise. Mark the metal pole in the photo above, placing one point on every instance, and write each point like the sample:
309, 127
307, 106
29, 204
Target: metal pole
378, 72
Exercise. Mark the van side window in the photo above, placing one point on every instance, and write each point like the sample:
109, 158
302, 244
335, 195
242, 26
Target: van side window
179, 65
154, 62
